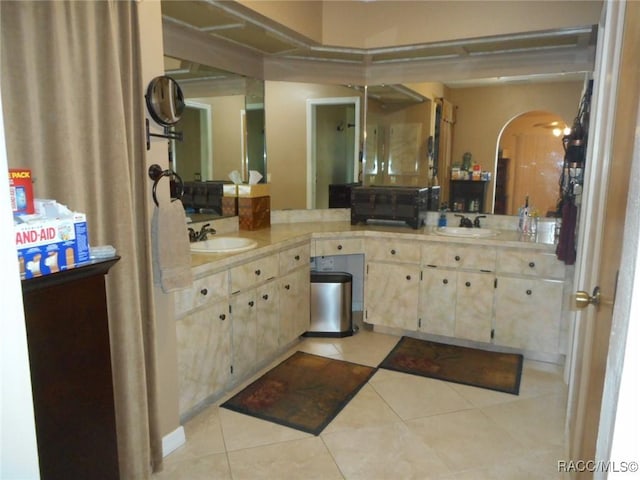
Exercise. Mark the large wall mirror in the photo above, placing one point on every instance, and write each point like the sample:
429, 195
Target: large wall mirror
223, 124
418, 126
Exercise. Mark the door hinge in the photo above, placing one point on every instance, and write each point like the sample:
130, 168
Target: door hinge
231, 369
420, 275
495, 283
493, 333
229, 308
367, 269
366, 314
419, 323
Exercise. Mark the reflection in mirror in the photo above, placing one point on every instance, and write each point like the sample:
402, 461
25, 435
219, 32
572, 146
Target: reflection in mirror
225, 128
530, 163
165, 100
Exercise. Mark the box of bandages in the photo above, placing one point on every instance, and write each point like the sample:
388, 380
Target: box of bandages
52, 239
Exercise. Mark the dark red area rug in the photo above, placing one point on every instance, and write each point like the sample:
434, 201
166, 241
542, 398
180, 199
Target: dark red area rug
304, 392
469, 366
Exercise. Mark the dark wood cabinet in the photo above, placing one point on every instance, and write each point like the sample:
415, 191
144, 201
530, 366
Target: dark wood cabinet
70, 360
468, 195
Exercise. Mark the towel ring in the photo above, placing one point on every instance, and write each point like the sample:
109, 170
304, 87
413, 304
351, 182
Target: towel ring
156, 173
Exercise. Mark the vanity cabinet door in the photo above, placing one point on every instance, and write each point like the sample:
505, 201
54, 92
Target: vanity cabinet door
338, 246
294, 258
398, 251
253, 273
528, 313
294, 297
268, 320
391, 295
244, 311
457, 255
204, 354
205, 290
474, 306
438, 301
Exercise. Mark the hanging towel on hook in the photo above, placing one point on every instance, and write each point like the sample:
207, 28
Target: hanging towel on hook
170, 247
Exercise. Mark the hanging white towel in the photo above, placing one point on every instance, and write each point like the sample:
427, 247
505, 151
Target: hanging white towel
170, 244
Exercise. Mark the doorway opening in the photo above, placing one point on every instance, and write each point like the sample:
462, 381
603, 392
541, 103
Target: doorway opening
191, 157
333, 139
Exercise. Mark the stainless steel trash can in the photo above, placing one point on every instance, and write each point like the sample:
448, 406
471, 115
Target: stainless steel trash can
331, 314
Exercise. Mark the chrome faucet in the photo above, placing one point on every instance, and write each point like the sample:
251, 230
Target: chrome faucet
464, 221
476, 221
202, 234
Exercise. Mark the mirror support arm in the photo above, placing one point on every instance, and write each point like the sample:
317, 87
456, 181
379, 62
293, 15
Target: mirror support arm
167, 134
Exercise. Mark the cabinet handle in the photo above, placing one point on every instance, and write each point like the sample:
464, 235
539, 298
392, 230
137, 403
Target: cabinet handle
339, 247
204, 291
297, 257
251, 303
408, 277
457, 257
222, 316
257, 272
532, 264
467, 284
265, 296
287, 287
529, 292
445, 281
393, 252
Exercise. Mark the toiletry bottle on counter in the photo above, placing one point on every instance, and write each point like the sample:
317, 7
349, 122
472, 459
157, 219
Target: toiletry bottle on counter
442, 220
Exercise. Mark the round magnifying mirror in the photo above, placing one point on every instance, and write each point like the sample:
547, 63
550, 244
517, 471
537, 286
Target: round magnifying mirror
165, 100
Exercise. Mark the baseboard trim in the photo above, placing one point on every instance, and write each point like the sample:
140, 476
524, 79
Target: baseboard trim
173, 440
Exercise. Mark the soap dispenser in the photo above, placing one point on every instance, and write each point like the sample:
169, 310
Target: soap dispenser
442, 220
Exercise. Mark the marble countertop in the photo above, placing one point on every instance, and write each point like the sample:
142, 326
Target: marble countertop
284, 235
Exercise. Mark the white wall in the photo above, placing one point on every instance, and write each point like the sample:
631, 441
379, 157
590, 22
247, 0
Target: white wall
18, 447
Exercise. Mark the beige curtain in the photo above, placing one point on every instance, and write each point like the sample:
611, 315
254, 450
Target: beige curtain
447, 120
73, 107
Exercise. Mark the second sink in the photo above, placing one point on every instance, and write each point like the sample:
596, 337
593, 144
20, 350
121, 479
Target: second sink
223, 245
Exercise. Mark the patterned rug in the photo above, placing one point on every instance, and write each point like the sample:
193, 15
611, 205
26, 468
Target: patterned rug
304, 392
469, 366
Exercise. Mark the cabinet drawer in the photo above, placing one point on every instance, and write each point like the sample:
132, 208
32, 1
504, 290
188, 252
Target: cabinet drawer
293, 258
203, 291
459, 256
393, 251
336, 246
252, 273
523, 262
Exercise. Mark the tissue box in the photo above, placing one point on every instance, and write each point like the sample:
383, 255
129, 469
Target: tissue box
256, 190
229, 190
21, 191
230, 206
254, 212
49, 244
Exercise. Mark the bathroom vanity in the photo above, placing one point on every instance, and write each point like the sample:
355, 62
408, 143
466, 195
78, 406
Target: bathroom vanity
244, 309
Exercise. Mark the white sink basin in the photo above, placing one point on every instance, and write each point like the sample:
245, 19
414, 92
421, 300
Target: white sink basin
223, 245
465, 232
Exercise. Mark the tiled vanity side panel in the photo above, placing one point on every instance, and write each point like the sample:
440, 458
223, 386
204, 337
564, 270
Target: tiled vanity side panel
529, 262
209, 289
254, 272
393, 250
458, 255
337, 246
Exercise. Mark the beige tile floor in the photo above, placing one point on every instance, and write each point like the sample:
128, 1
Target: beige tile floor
398, 426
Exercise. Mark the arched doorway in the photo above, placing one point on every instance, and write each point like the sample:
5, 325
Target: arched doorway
530, 160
